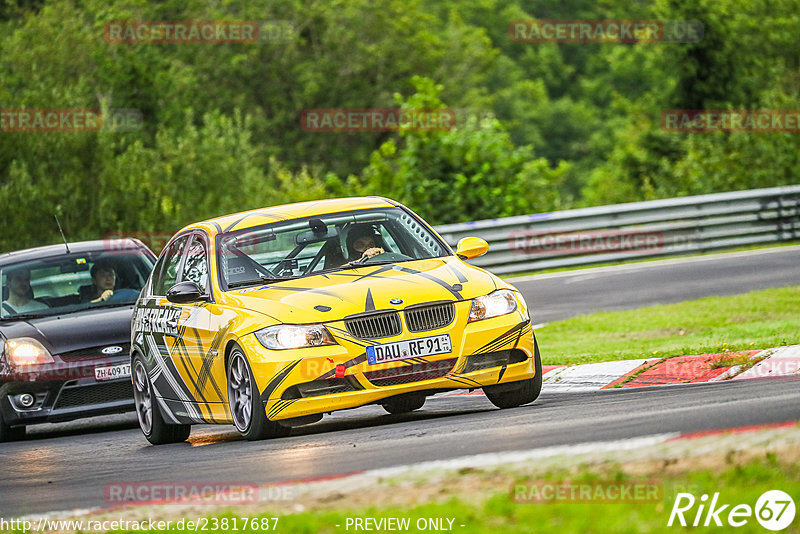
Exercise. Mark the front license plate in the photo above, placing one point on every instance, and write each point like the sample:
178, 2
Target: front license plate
411, 348
112, 372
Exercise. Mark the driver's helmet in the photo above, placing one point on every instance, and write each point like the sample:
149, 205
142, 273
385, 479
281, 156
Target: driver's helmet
358, 232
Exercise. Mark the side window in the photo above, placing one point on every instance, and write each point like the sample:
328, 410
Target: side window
166, 272
196, 267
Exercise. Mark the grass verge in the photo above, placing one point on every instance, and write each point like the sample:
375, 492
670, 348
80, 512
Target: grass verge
475, 501
756, 320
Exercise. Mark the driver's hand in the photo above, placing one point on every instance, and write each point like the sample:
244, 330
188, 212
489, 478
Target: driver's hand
370, 252
104, 296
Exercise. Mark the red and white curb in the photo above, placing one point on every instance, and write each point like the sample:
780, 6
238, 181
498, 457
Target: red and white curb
780, 361
588, 377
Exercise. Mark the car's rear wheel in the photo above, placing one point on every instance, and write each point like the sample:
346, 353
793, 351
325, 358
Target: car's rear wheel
10, 433
249, 416
515, 394
151, 422
404, 404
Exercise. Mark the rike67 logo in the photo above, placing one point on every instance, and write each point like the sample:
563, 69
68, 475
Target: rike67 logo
774, 510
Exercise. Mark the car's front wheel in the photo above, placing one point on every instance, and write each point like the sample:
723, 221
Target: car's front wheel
515, 394
151, 422
10, 433
404, 404
249, 416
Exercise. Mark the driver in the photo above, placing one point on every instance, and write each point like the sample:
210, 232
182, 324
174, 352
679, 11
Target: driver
20, 295
363, 242
104, 278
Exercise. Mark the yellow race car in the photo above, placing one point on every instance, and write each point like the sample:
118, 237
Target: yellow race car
270, 318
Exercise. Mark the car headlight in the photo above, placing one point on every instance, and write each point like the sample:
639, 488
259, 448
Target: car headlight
497, 303
290, 336
26, 351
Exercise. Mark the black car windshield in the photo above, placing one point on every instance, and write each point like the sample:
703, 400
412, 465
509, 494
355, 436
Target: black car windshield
66, 283
314, 245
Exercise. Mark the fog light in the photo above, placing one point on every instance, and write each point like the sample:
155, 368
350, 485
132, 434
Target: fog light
26, 400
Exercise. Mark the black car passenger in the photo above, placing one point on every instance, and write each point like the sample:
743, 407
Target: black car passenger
20, 295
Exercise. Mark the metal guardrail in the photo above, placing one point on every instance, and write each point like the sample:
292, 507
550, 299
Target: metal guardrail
637, 230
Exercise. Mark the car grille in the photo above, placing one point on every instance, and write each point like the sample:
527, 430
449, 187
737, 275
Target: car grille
94, 353
72, 397
429, 317
410, 373
374, 325
476, 362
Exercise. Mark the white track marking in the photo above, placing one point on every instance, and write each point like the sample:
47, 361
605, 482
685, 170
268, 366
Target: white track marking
512, 457
588, 377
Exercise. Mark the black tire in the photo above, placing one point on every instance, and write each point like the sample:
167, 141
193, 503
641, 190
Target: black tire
244, 399
154, 427
404, 404
10, 433
516, 394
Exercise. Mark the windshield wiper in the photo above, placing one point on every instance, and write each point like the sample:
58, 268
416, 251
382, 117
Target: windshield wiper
23, 317
356, 264
107, 305
259, 280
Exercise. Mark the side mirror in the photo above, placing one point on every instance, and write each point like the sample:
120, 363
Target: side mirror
471, 247
184, 292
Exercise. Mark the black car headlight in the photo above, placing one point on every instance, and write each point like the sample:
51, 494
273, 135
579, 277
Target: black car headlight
500, 302
291, 336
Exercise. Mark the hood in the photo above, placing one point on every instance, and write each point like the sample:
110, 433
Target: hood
334, 295
75, 331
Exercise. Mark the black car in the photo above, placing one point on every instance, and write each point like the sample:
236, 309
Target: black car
65, 320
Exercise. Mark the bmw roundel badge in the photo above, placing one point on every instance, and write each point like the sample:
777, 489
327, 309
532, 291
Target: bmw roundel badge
396, 301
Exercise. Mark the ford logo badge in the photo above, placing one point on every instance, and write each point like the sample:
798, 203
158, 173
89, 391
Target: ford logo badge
396, 301
112, 350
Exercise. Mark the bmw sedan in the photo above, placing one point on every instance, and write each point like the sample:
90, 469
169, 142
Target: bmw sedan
271, 318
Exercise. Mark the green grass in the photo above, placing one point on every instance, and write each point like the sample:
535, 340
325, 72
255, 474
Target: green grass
757, 320
495, 511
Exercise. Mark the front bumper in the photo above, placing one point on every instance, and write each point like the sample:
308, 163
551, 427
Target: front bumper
303, 382
64, 391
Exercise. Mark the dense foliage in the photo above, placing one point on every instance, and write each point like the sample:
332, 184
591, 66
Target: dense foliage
540, 126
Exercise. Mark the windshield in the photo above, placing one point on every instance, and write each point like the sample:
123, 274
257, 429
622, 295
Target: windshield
313, 245
71, 282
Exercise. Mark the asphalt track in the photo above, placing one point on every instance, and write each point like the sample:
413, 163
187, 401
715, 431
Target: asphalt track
53, 472
566, 294
66, 466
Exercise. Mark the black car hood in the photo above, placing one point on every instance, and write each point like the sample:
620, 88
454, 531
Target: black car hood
75, 331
